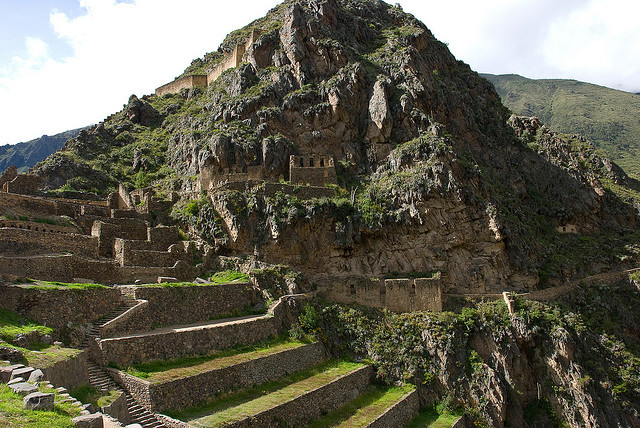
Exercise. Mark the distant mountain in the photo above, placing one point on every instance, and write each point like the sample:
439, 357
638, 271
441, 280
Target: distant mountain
26, 155
607, 117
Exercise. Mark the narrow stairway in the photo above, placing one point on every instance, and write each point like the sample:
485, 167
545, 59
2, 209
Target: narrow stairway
100, 380
94, 332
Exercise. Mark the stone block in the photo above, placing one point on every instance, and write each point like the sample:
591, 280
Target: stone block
23, 372
162, 279
39, 401
15, 380
23, 388
6, 370
88, 421
36, 376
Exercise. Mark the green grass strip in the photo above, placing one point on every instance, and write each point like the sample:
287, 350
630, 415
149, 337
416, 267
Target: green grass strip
13, 415
220, 361
430, 418
364, 409
154, 370
12, 324
55, 285
223, 407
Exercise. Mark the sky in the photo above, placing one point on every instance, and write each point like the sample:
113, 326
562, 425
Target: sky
65, 64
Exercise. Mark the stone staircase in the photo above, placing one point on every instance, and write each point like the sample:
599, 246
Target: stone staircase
94, 332
100, 380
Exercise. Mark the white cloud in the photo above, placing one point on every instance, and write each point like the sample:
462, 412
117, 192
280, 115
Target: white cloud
599, 42
120, 48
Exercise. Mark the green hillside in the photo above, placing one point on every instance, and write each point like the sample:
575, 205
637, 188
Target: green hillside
26, 155
607, 117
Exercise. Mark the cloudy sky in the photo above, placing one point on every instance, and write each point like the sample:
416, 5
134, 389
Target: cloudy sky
69, 63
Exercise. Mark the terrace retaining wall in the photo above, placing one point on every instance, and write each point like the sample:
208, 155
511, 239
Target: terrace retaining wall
192, 390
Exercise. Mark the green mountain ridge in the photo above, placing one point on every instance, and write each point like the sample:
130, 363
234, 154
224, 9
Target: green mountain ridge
25, 155
608, 117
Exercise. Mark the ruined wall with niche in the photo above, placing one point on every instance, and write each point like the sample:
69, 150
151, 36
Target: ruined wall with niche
397, 295
315, 170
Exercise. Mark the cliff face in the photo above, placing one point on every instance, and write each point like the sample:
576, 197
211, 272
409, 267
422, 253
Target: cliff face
566, 363
431, 176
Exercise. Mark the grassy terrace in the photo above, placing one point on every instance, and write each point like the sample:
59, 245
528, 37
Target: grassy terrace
434, 418
163, 371
54, 285
13, 415
364, 409
39, 354
238, 405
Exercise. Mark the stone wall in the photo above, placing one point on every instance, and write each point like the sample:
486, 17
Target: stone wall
118, 409
143, 253
230, 61
183, 305
70, 373
316, 170
186, 82
26, 205
33, 206
398, 295
16, 242
109, 230
300, 192
66, 268
8, 175
56, 308
400, 414
314, 403
174, 343
192, 390
37, 226
24, 184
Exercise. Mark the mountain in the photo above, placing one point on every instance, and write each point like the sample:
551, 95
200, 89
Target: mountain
340, 138
607, 117
26, 155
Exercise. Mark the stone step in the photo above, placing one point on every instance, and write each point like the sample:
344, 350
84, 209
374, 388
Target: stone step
298, 402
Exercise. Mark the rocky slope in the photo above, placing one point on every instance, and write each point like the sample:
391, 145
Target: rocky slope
566, 363
431, 175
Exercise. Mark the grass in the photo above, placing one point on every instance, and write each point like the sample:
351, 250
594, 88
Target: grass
430, 418
227, 276
364, 409
163, 371
12, 324
237, 404
55, 285
88, 394
13, 415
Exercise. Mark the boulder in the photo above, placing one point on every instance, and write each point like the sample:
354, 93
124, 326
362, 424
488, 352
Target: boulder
36, 376
39, 401
23, 388
88, 421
